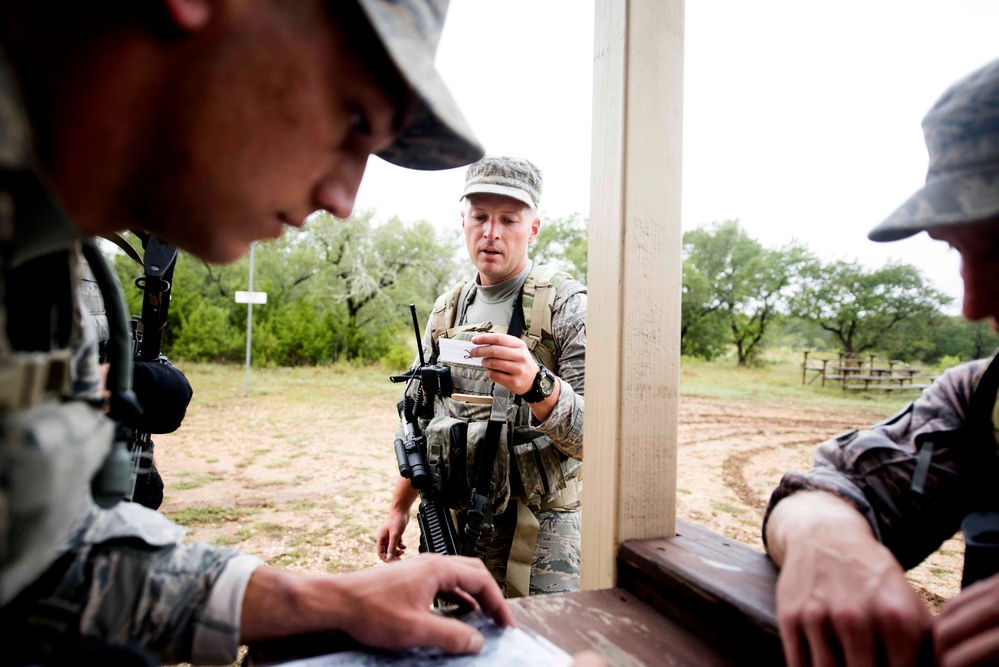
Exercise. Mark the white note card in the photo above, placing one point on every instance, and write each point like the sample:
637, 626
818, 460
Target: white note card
457, 352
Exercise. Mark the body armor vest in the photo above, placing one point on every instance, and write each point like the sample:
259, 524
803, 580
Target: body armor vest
528, 466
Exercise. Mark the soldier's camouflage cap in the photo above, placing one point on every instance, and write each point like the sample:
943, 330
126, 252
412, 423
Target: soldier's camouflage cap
508, 176
962, 183
438, 136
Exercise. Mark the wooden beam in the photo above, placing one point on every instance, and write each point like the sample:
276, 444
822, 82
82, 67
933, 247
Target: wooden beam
634, 280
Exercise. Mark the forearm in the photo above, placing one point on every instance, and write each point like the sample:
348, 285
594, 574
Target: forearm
811, 517
404, 496
279, 603
564, 423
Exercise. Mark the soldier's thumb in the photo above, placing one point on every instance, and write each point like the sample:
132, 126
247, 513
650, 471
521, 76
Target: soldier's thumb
453, 636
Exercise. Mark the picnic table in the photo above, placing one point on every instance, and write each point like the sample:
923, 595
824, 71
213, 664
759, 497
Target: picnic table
864, 373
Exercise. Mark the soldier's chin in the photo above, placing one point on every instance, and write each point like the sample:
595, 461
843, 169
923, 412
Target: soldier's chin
219, 250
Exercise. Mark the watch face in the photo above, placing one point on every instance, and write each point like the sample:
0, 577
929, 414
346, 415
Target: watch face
547, 382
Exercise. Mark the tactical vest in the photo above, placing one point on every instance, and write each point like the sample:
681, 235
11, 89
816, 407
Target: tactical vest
528, 466
977, 443
53, 434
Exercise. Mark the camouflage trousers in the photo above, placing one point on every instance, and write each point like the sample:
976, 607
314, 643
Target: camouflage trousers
555, 566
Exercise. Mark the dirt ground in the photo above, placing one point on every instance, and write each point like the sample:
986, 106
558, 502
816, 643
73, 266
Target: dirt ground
304, 483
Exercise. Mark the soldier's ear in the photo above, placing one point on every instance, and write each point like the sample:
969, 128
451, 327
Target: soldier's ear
535, 228
188, 15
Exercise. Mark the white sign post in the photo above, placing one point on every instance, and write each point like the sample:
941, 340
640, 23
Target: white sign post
249, 298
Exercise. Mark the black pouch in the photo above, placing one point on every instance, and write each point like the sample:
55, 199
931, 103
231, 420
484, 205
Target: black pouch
446, 445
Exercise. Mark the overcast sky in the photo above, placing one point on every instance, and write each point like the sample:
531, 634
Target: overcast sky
801, 119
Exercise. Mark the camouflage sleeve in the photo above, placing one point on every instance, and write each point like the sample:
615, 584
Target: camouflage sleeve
872, 469
134, 581
564, 426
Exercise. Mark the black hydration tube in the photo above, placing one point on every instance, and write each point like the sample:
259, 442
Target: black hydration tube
111, 482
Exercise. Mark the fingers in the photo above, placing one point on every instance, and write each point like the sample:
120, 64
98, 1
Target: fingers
817, 637
905, 635
472, 577
451, 635
794, 648
390, 545
499, 340
383, 544
464, 578
507, 361
395, 546
501, 349
967, 630
980, 649
856, 639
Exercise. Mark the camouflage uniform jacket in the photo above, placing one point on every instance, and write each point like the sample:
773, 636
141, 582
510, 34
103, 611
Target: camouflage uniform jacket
874, 469
564, 425
72, 574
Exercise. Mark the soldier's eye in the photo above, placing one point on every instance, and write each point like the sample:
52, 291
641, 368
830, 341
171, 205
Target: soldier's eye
359, 123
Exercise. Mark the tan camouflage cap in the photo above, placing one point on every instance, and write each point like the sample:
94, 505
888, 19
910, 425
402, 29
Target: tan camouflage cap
508, 176
438, 137
962, 184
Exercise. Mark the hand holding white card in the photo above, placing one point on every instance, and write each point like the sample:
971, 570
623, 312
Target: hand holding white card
457, 352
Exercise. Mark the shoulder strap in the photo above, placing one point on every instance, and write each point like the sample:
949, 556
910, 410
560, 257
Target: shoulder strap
445, 309
545, 288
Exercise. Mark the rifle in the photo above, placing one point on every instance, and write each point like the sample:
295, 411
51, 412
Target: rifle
436, 526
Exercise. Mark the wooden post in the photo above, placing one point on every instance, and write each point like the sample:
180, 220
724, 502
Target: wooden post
633, 329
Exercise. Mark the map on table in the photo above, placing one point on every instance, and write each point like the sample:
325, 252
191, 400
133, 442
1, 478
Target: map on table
503, 647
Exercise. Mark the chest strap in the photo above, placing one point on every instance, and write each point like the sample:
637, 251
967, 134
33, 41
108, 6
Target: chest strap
480, 511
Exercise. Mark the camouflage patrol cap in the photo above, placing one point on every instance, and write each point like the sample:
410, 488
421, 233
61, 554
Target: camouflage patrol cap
508, 176
437, 136
962, 183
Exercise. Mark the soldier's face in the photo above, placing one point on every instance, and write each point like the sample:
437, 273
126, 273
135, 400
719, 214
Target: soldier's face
275, 117
978, 243
497, 230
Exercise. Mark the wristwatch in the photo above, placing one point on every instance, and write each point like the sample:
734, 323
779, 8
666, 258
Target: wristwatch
544, 384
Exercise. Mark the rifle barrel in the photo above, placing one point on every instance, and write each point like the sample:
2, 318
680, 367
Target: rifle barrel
416, 329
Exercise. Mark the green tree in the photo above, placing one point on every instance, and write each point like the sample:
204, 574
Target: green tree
369, 272
562, 242
337, 289
703, 330
945, 336
727, 272
863, 308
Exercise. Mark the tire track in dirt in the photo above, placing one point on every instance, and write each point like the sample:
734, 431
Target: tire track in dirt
734, 465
